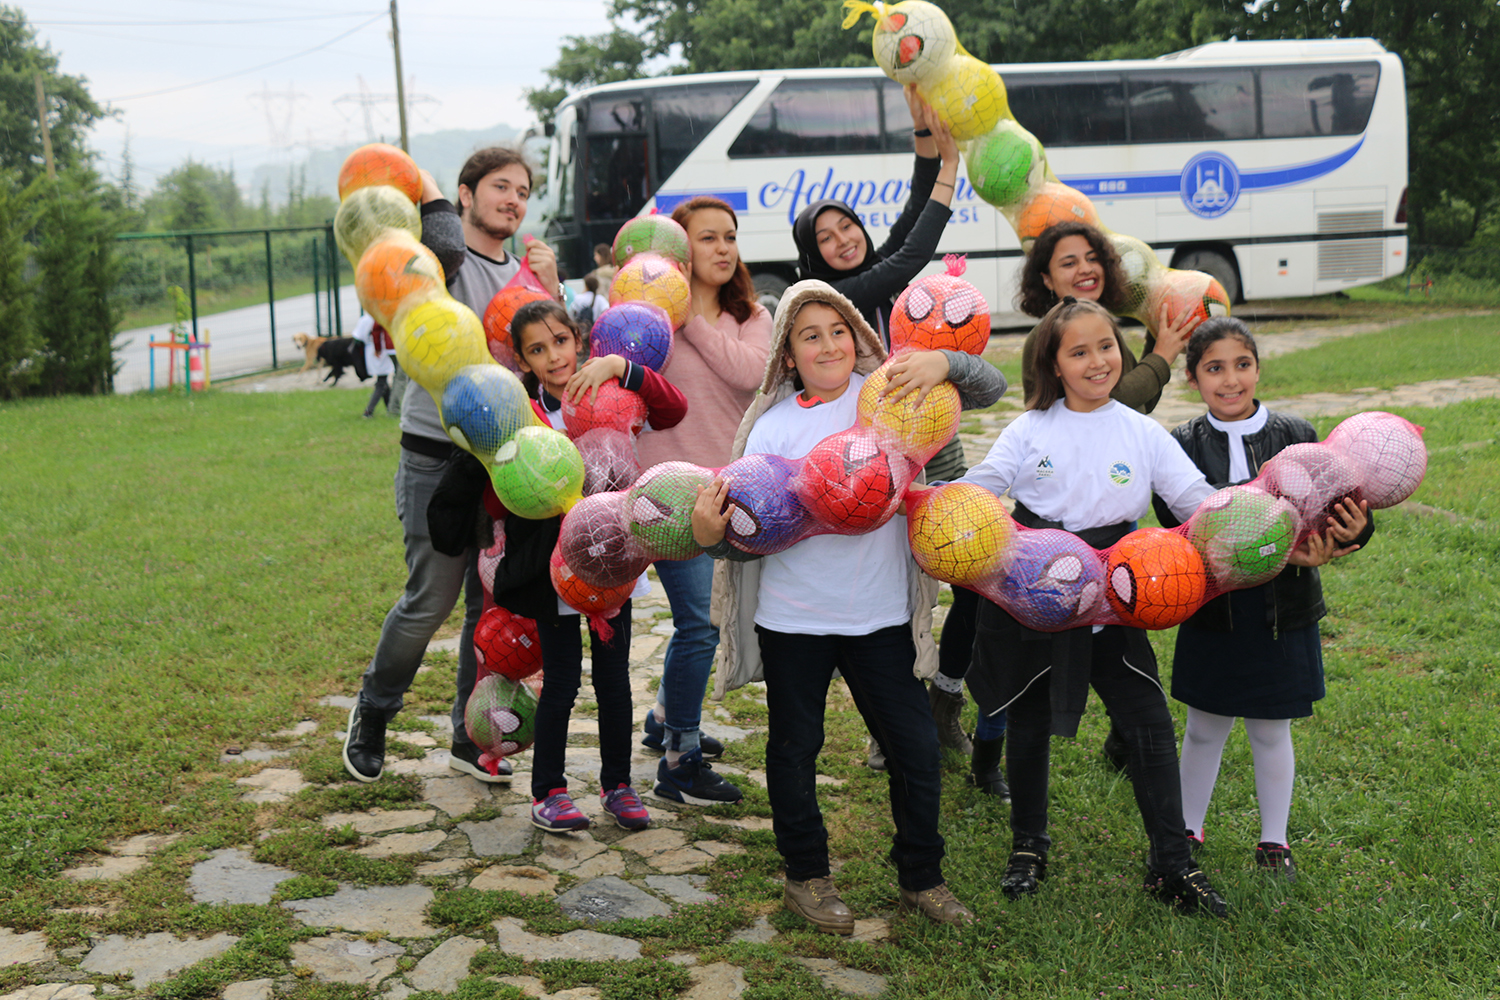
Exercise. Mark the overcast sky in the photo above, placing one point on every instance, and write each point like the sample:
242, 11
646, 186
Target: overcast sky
258, 80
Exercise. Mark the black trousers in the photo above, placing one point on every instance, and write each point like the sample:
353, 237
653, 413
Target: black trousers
1133, 695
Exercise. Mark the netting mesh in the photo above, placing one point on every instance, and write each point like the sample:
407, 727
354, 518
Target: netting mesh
940, 312
660, 508
482, 407
500, 717
851, 485
916, 430
609, 460
636, 331
507, 644
658, 234
380, 163
497, 317
367, 213
597, 543
652, 278
537, 473
393, 268
609, 406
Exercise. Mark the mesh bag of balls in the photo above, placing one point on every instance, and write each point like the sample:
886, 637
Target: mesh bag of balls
500, 716
1241, 536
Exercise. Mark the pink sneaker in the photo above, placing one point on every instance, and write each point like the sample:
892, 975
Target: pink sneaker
557, 813
625, 806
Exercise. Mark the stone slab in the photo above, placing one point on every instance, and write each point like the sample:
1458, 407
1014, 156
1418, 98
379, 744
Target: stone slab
347, 960
871, 930
505, 836
404, 843
380, 820
610, 898
154, 957
417, 738
24, 949
844, 979
304, 728
107, 870
232, 876
684, 859
760, 932
718, 981
445, 867
397, 911
252, 756
512, 938
456, 796
143, 844
344, 701
679, 889
566, 851
52, 991
655, 841
254, 989
274, 784
434, 764
443, 967
524, 879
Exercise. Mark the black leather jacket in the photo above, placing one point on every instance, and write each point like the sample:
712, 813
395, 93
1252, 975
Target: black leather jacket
1295, 598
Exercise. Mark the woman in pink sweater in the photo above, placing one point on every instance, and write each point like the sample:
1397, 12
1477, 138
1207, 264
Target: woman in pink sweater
717, 363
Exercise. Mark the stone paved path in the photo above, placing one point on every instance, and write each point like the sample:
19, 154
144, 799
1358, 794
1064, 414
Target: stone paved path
380, 935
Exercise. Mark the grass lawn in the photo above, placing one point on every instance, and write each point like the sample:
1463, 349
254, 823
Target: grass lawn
1452, 347
185, 576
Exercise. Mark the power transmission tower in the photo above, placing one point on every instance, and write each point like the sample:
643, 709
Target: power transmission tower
280, 126
365, 99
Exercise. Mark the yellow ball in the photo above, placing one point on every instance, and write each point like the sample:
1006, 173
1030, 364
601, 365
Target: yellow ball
649, 277
435, 338
958, 532
918, 432
369, 212
913, 41
969, 96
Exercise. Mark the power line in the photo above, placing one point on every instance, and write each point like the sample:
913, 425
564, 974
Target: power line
189, 24
251, 69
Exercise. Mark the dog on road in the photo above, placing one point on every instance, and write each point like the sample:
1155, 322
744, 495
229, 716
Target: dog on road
309, 346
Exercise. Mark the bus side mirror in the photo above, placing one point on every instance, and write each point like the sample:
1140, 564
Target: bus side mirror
549, 129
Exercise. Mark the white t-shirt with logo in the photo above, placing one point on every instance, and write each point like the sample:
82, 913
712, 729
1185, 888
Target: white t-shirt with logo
1088, 470
828, 584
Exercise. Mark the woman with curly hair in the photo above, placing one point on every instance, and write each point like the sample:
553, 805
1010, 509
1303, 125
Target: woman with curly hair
1073, 258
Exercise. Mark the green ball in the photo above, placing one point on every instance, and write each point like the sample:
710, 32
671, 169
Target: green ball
1244, 535
1005, 163
660, 508
656, 234
538, 473
500, 715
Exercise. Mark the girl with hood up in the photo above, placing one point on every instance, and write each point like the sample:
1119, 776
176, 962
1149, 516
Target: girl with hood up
856, 604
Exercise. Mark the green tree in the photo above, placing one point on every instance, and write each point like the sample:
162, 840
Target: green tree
73, 243
196, 196
19, 342
71, 111
587, 61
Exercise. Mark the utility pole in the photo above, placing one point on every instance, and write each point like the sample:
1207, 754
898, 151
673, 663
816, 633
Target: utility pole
41, 116
400, 85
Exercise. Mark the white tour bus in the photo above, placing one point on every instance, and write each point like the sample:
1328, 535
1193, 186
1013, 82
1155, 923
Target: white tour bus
1277, 166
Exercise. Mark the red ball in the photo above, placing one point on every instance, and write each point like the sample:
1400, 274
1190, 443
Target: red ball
851, 484
507, 644
613, 407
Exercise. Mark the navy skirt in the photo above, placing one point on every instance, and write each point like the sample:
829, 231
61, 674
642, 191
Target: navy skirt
1249, 672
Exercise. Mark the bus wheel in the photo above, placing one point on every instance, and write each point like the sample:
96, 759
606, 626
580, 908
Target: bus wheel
769, 289
1212, 263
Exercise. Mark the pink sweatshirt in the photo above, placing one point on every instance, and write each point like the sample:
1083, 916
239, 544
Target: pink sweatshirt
718, 368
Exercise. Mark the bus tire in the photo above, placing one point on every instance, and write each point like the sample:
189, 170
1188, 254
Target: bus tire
1214, 264
769, 288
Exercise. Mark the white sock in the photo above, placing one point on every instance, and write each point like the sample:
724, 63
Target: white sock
1275, 767
949, 685
1202, 748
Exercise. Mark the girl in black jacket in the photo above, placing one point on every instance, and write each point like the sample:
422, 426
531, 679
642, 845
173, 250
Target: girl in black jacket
1271, 670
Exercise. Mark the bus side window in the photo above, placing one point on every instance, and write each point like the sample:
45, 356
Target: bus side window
1192, 106
898, 123
684, 115
813, 116
1299, 101
617, 175
1070, 109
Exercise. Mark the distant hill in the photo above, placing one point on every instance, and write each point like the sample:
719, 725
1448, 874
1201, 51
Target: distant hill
440, 152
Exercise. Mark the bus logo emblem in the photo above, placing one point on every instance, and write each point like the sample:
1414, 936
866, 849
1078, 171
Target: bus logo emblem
1210, 185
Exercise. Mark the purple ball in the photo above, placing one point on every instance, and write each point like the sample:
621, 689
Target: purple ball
1053, 580
636, 331
768, 517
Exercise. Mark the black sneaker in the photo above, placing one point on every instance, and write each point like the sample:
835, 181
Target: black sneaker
364, 745
1189, 889
1275, 859
1023, 872
693, 782
655, 738
466, 759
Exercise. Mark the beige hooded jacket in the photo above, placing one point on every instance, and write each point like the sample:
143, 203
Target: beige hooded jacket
737, 584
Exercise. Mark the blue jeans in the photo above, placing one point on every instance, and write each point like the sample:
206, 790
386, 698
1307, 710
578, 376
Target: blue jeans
433, 584
893, 702
690, 652
562, 663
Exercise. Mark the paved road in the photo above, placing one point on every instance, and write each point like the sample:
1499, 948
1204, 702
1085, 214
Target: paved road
241, 340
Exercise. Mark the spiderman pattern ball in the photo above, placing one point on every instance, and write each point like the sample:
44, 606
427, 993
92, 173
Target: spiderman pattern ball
596, 542
609, 406
1244, 536
940, 312
500, 716
1156, 579
851, 484
767, 517
507, 644
660, 508
1052, 580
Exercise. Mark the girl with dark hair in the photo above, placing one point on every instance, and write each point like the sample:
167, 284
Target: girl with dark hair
717, 362
1062, 462
1253, 654
833, 246
1073, 258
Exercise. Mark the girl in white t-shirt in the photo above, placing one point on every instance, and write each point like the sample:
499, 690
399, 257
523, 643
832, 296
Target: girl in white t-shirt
852, 603
1081, 461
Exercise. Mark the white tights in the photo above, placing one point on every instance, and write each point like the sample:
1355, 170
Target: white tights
1275, 765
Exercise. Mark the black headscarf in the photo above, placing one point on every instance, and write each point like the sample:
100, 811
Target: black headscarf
810, 262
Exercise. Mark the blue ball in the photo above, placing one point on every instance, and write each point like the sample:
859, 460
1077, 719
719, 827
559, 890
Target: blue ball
768, 517
482, 408
1053, 581
636, 331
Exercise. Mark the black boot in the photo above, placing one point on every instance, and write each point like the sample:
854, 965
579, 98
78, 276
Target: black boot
984, 768
1116, 751
946, 711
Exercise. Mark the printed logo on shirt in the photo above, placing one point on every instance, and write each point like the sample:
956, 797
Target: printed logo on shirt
1044, 468
1120, 474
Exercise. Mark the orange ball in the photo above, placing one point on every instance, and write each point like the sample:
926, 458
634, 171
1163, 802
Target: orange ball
1185, 292
940, 312
582, 596
1154, 579
379, 163
497, 317
1054, 203
392, 270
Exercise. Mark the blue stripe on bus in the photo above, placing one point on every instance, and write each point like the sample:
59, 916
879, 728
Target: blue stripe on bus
737, 200
1151, 185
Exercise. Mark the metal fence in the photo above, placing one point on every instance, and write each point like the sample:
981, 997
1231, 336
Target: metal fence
247, 291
